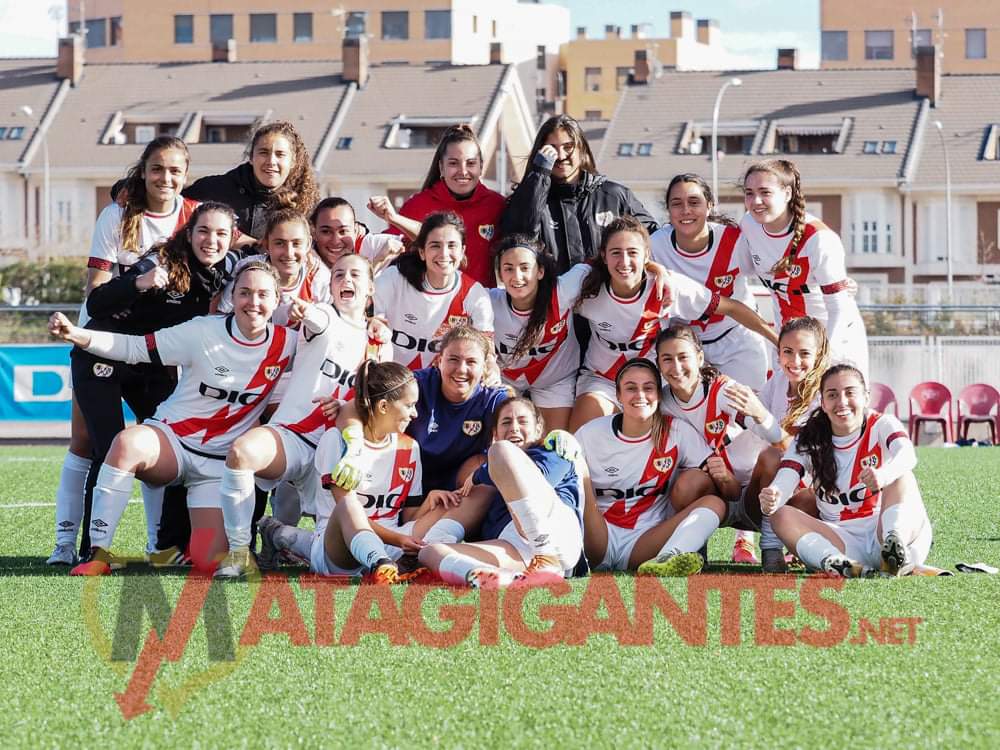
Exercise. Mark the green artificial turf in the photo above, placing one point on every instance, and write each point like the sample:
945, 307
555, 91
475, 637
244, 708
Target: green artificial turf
941, 691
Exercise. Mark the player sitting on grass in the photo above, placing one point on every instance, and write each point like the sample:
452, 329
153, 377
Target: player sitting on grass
535, 524
860, 464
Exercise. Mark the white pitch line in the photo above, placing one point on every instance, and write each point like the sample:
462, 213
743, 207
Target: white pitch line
11, 506
24, 459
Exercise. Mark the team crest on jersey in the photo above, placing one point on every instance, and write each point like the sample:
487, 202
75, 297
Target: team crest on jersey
406, 473
486, 231
272, 371
472, 427
721, 282
554, 330
794, 271
663, 464
410, 318
869, 462
716, 426
603, 218
103, 370
458, 320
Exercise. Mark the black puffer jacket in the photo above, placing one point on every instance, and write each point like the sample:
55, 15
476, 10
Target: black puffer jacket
239, 189
569, 218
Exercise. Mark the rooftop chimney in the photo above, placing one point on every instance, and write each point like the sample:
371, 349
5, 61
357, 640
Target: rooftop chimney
356, 60
708, 31
681, 25
581, 32
612, 32
496, 53
787, 58
929, 74
641, 67
69, 64
224, 51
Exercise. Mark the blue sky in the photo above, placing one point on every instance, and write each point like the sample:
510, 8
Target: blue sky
751, 29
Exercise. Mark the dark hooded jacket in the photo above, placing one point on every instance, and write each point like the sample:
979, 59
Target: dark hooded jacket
239, 189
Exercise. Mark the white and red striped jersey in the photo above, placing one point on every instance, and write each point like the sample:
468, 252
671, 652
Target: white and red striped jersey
312, 285
632, 477
818, 267
774, 396
390, 475
716, 267
623, 329
420, 318
881, 444
106, 251
556, 354
225, 382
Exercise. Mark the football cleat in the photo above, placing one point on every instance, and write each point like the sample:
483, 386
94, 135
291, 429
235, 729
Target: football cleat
384, 573
743, 552
167, 558
63, 554
491, 578
270, 545
238, 563
99, 564
672, 565
896, 556
773, 561
544, 564
841, 566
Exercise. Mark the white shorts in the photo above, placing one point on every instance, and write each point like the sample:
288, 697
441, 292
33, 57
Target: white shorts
300, 468
322, 565
201, 474
591, 382
621, 542
560, 394
567, 537
862, 545
742, 355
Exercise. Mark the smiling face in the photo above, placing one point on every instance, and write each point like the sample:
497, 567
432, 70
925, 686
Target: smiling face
797, 352
351, 284
680, 365
520, 273
335, 233
844, 399
688, 210
211, 237
625, 255
462, 364
164, 174
272, 159
516, 423
767, 200
442, 254
638, 393
254, 300
287, 246
461, 167
568, 159
395, 416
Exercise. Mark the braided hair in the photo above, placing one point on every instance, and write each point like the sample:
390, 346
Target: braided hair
787, 175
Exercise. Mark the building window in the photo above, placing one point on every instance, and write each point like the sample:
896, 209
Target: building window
622, 76
230, 133
975, 44
475, 24
645, 149
807, 144
834, 45
626, 149
220, 27
493, 28
12, 134
921, 38
263, 27
728, 144
888, 147
302, 27
870, 147
395, 24
592, 114
437, 24
97, 32
878, 45
869, 236
184, 29
592, 79
357, 22
116, 31
344, 143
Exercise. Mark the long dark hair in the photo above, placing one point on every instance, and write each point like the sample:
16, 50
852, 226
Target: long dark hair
378, 381
815, 439
683, 332
599, 275
787, 175
411, 266
132, 194
175, 253
300, 186
546, 286
333, 201
706, 191
809, 386
574, 131
455, 134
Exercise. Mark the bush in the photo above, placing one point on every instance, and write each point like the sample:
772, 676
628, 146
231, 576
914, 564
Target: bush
53, 282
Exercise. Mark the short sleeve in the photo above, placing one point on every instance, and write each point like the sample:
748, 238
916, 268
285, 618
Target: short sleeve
827, 263
480, 308
417, 487
694, 451
691, 300
105, 242
386, 293
180, 344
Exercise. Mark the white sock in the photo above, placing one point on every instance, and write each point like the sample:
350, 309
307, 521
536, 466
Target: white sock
746, 536
892, 518
813, 548
69, 497
237, 494
367, 548
286, 505
693, 532
152, 501
534, 522
768, 539
111, 495
445, 531
455, 567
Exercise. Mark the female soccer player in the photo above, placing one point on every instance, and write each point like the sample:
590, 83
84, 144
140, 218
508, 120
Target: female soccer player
701, 245
539, 524
230, 366
799, 258
860, 463
332, 342
625, 314
149, 209
277, 172
426, 293
336, 232
453, 183
636, 462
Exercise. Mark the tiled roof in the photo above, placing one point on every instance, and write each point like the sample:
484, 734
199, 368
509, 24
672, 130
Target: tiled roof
23, 82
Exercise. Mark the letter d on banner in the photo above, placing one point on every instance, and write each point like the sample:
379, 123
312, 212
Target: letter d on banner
42, 383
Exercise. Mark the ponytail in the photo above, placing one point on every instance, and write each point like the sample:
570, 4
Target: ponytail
455, 134
378, 381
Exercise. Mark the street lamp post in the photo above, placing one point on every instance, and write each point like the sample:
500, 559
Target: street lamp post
947, 209
46, 188
715, 134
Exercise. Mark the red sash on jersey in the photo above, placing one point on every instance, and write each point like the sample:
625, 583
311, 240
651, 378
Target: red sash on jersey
721, 278
404, 469
868, 454
792, 302
662, 463
647, 329
555, 332
716, 427
455, 315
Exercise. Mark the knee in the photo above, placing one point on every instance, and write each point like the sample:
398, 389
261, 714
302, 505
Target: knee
781, 518
690, 485
500, 455
433, 554
242, 452
767, 464
715, 504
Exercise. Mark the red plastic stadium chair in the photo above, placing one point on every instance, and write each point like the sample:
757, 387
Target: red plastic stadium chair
882, 398
979, 403
930, 402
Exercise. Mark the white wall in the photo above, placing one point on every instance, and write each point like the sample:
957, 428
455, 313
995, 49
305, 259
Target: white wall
11, 210
521, 28
932, 235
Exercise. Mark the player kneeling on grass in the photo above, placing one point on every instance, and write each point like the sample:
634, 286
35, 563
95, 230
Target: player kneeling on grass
861, 465
371, 526
535, 526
